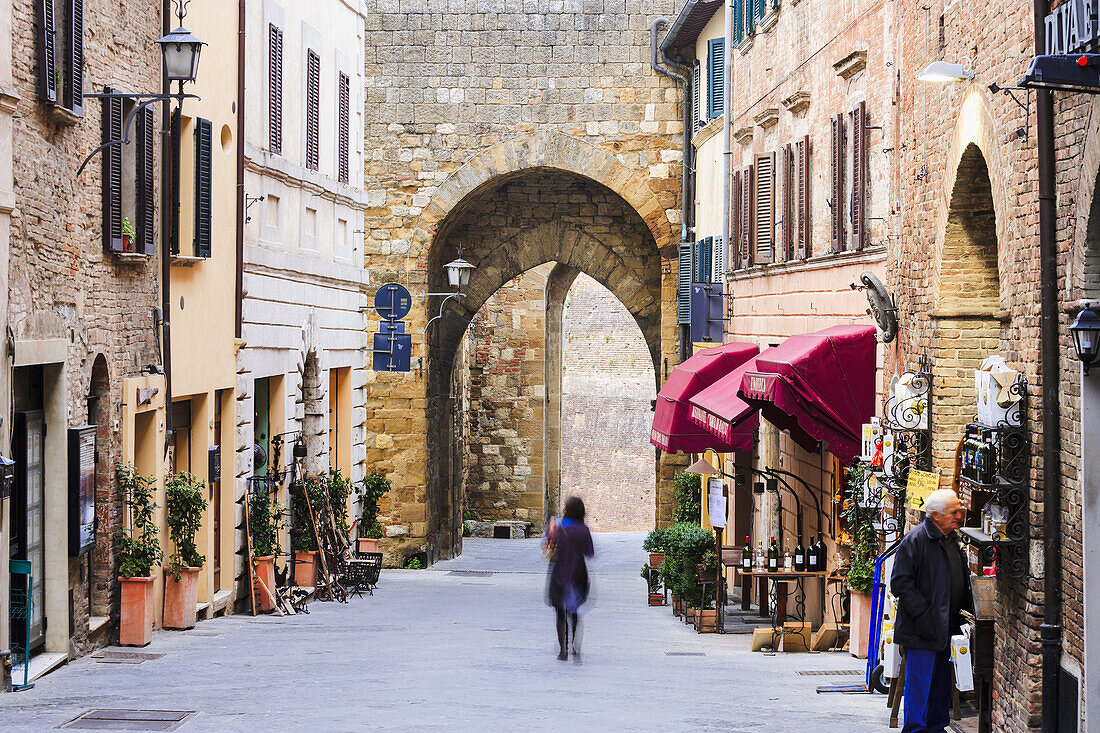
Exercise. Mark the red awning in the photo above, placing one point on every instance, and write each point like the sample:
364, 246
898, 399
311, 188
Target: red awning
722, 413
818, 386
672, 429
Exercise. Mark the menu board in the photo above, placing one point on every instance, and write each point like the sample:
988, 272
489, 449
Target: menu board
82, 454
920, 485
716, 501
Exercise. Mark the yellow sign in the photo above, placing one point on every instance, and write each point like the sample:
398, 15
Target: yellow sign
920, 485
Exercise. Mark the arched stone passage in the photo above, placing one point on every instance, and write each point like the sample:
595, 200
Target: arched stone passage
509, 226
108, 506
968, 319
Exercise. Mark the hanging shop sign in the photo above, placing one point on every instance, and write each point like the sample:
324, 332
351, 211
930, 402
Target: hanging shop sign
919, 486
1071, 28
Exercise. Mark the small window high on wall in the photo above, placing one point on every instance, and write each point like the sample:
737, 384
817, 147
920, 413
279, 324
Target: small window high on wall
60, 41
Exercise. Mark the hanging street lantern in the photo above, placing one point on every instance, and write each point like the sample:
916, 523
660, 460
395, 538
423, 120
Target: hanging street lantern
1086, 337
180, 50
458, 273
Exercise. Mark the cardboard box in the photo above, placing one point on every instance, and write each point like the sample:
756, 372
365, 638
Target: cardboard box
993, 387
825, 637
796, 636
761, 639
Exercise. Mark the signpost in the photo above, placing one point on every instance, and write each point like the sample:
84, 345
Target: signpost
392, 347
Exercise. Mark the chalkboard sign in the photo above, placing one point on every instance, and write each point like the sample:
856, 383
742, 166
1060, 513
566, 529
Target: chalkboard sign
82, 455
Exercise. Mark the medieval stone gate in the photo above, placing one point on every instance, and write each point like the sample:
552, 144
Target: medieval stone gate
518, 139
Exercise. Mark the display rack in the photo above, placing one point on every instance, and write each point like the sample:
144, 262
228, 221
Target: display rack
907, 418
1001, 479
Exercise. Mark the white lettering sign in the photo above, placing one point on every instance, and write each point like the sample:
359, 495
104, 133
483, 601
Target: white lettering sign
1071, 28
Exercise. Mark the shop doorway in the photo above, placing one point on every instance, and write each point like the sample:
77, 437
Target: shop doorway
28, 503
107, 503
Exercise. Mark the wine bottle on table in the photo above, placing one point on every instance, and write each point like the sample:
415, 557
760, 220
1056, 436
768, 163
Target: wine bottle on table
773, 557
746, 557
788, 564
760, 559
811, 557
822, 563
799, 556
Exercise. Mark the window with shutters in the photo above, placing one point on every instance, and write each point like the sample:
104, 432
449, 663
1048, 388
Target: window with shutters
858, 196
275, 89
764, 204
683, 283
59, 38
313, 109
786, 222
716, 75
204, 150
343, 131
837, 164
746, 218
701, 261
738, 22
129, 179
718, 260
696, 97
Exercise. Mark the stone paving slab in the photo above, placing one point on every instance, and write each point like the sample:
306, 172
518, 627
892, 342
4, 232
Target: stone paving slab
467, 651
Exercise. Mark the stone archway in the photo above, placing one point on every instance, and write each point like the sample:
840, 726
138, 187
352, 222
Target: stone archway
511, 225
968, 317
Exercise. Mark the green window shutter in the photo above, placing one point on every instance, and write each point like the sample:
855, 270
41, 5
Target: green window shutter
716, 76
750, 16
683, 283
696, 96
203, 182
738, 22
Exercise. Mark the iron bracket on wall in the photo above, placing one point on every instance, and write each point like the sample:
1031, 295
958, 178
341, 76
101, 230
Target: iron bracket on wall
146, 101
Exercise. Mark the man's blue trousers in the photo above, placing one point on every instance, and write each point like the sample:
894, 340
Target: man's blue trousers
928, 681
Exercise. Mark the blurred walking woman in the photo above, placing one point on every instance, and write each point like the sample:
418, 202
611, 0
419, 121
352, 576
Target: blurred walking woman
568, 543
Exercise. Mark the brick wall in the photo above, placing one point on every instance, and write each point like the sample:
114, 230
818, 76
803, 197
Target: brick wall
607, 393
62, 283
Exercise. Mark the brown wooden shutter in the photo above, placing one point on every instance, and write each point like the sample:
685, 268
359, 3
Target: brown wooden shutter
74, 79
748, 231
275, 89
344, 131
146, 183
765, 209
787, 217
313, 109
836, 227
204, 148
737, 223
859, 176
47, 60
804, 223
112, 173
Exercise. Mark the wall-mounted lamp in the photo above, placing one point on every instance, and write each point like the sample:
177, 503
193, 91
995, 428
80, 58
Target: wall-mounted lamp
945, 72
1085, 330
458, 272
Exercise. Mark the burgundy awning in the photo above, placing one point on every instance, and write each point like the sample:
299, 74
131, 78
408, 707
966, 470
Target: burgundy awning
672, 429
818, 386
722, 413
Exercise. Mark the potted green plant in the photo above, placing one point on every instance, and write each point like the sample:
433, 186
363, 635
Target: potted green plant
185, 502
265, 520
685, 545
654, 544
128, 235
688, 495
372, 488
859, 519
138, 552
303, 541
652, 577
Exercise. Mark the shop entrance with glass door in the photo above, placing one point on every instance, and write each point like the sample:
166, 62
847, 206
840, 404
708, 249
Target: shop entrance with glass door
28, 503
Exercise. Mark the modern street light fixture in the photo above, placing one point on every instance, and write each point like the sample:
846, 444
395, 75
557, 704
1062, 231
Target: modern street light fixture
1085, 330
945, 72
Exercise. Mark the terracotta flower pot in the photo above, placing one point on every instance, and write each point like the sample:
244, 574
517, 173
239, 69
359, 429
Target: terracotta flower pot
656, 599
181, 598
707, 576
860, 628
135, 624
656, 559
265, 571
305, 568
366, 544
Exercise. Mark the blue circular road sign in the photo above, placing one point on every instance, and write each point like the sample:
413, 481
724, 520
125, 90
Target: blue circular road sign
392, 301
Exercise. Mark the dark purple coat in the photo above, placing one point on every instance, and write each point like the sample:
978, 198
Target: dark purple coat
573, 545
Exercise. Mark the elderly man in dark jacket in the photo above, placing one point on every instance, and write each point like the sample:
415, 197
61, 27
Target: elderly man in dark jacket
932, 584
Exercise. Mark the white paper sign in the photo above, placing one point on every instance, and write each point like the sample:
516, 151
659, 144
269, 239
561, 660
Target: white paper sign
716, 501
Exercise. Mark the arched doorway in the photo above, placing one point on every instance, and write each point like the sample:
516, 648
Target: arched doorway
108, 504
509, 225
968, 316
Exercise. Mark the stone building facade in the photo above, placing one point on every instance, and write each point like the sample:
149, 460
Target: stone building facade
540, 129
304, 339
80, 315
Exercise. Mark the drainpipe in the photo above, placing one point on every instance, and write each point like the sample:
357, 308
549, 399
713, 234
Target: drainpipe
1050, 631
239, 285
727, 121
681, 74
171, 232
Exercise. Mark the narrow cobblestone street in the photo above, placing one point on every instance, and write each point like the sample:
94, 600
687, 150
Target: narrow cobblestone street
466, 646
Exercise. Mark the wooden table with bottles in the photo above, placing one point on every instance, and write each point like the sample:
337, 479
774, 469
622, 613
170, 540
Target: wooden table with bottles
779, 611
